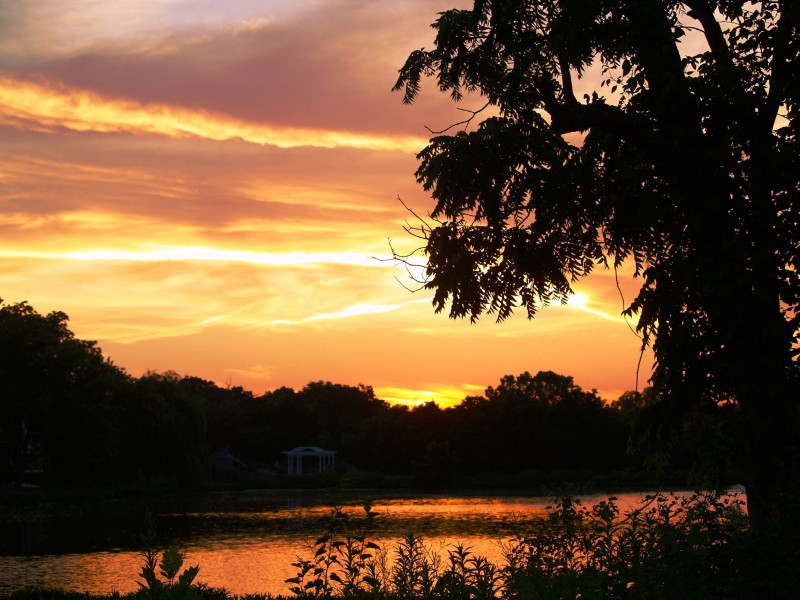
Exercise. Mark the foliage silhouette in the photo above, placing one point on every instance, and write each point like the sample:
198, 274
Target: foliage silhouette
682, 163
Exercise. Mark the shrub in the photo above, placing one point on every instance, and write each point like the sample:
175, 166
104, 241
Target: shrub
667, 548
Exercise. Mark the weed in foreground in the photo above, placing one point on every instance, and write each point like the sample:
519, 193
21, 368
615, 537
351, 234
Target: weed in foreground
161, 575
343, 563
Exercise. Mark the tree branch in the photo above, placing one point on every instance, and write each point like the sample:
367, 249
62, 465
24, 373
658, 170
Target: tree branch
780, 67
465, 122
566, 77
702, 12
572, 117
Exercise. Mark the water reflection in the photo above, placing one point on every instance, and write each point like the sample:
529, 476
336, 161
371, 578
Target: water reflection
243, 542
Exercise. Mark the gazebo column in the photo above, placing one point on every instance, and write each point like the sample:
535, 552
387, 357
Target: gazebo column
294, 459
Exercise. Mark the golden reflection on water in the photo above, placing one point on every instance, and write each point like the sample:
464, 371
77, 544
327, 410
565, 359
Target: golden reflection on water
100, 572
241, 568
252, 551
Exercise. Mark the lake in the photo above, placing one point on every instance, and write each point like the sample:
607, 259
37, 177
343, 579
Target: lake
245, 542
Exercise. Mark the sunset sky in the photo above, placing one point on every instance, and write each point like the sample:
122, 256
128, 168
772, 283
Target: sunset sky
208, 187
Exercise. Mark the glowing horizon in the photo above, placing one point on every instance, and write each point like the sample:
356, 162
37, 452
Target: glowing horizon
214, 193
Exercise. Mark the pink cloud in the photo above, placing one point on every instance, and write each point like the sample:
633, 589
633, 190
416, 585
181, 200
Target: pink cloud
331, 67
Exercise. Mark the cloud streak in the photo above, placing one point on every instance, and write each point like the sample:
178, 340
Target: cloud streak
39, 107
199, 254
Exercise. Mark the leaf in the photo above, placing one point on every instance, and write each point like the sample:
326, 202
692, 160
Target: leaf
187, 577
171, 563
151, 582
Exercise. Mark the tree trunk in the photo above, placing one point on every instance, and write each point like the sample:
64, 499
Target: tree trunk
768, 398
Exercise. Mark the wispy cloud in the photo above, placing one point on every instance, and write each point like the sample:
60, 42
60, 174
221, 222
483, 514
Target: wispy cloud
200, 254
354, 311
29, 105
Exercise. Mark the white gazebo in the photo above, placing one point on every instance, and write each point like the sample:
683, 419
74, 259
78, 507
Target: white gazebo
325, 459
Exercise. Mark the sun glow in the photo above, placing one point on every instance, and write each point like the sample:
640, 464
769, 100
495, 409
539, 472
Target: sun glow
581, 301
445, 397
578, 300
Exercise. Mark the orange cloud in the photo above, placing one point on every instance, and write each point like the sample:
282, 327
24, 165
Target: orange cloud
25, 104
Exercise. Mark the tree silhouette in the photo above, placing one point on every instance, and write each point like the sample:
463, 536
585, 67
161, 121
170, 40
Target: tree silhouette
546, 422
56, 398
683, 161
169, 429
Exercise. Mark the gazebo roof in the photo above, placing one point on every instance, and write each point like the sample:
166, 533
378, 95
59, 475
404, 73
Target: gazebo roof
308, 451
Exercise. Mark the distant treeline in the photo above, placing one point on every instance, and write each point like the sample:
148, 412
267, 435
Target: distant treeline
70, 417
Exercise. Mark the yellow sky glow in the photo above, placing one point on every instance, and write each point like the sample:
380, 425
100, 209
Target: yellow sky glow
204, 255
443, 396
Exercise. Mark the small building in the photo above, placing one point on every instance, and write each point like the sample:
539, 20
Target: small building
309, 460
